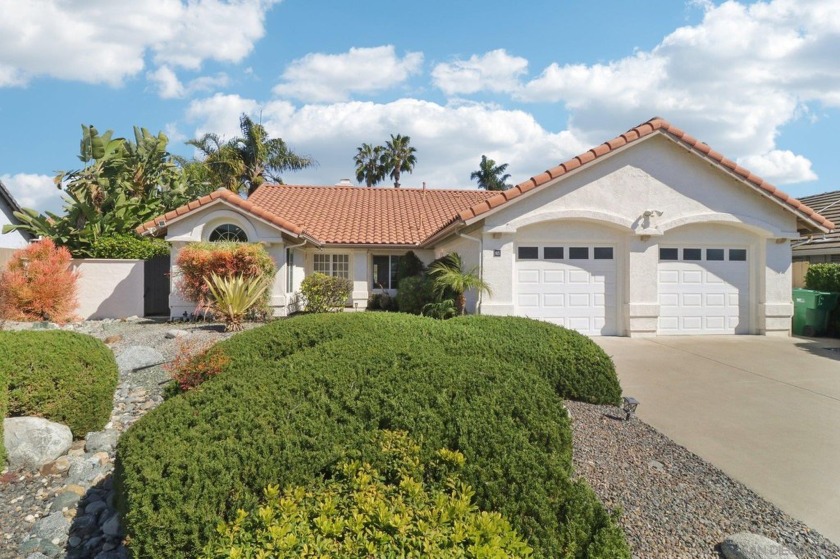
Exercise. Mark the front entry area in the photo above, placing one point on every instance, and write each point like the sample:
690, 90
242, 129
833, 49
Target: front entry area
572, 285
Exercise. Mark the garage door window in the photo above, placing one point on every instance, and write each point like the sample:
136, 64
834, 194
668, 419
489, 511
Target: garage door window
603, 253
669, 254
692, 254
737, 254
579, 253
553, 253
714, 254
529, 253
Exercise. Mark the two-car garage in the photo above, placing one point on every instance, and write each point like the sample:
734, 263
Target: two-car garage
701, 289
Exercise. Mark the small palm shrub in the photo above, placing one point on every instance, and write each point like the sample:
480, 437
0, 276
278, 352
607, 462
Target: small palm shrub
441, 310
449, 276
63, 376
404, 508
38, 284
323, 293
197, 261
231, 298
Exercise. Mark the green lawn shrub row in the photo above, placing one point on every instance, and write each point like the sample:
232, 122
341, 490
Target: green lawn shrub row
823, 277
300, 395
63, 376
4, 407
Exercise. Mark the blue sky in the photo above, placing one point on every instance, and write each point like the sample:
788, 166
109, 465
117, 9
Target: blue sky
530, 86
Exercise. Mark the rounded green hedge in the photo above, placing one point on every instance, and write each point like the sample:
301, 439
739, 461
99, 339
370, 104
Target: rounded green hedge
63, 376
299, 395
4, 406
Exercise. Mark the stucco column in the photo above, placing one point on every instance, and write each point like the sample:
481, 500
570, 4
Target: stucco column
775, 307
499, 269
360, 276
277, 251
641, 311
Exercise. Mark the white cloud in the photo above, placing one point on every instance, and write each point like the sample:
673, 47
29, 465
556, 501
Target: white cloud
107, 42
449, 139
779, 167
34, 191
170, 87
321, 77
494, 71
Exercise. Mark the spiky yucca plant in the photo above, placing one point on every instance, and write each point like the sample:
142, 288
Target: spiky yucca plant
233, 297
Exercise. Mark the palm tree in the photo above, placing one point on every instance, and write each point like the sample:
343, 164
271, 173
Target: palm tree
449, 275
398, 157
489, 175
368, 164
245, 162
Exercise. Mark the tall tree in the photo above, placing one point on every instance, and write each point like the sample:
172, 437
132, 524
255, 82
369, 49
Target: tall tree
247, 161
369, 169
490, 176
398, 157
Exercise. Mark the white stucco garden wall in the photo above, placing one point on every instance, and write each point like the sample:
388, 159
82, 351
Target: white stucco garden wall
109, 288
692, 201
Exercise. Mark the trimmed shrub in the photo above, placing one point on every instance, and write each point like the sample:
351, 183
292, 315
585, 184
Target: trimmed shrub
381, 302
823, 277
63, 376
414, 293
197, 261
403, 508
128, 247
38, 284
323, 293
409, 265
301, 395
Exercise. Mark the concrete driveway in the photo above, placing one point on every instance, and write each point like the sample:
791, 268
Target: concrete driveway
764, 410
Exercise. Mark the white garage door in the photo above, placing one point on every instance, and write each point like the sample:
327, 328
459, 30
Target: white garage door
703, 291
569, 285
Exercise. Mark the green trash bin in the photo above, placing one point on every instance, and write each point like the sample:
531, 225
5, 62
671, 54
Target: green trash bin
811, 310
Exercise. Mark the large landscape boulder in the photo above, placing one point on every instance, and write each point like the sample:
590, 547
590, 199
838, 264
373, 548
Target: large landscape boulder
746, 545
32, 442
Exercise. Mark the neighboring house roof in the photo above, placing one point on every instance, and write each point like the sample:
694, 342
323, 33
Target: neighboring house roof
406, 216
654, 125
828, 205
10, 201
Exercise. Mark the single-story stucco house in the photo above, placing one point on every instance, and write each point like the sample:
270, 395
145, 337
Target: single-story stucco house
650, 233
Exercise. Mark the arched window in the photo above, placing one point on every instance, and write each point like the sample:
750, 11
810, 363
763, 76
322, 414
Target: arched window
228, 233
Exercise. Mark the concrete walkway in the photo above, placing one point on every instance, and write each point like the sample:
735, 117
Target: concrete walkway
764, 410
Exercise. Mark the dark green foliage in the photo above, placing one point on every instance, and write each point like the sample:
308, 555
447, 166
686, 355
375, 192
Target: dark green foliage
409, 265
129, 247
63, 376
414, 293
302, 394
4, 406
823, 277
382, 302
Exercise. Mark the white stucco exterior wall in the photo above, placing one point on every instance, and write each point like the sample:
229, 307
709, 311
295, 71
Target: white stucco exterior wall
13, 239
691, 202
109, 288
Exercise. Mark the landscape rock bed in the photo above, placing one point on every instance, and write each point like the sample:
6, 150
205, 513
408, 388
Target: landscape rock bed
675, 505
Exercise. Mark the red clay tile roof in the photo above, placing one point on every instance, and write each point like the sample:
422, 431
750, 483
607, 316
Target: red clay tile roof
227, 196
347, 215
360, 215
645, 129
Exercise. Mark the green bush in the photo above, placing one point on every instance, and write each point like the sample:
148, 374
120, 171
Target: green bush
414, 293
823, 277
129, 247
409, 265
381, 302
403, 508
63, 376
300, 395
323, 293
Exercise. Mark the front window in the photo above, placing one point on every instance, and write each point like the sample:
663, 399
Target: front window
385, 270
337, 265
228, 233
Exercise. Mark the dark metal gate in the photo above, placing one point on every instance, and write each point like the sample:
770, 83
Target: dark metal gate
156, 286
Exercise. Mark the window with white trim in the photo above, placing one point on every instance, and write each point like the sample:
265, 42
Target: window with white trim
385, 270
337, 265
228, 232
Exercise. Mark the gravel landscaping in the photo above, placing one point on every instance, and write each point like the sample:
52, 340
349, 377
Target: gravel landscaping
674, 505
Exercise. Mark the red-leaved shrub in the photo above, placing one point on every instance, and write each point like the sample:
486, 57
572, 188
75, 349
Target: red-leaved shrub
201, 260
38, 284
195, 363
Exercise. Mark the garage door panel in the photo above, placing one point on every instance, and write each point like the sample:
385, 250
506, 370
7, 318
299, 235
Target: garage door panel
580, 300
529, 300
709, 297
554, 300
579, 276
554, 276
528, 276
